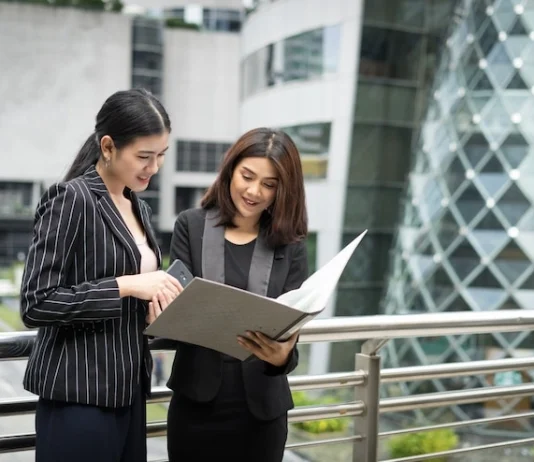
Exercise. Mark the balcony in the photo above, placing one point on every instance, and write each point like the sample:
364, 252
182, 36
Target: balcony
367, 407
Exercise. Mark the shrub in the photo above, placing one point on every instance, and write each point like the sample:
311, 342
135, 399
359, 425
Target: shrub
177, 23
300, 398
416, 444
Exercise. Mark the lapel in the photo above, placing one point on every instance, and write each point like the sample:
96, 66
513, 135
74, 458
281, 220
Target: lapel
112, 217
213, 256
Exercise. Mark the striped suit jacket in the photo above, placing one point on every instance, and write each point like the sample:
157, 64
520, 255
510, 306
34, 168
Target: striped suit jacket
90, 346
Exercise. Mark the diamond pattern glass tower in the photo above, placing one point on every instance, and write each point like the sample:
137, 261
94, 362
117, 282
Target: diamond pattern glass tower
466, 235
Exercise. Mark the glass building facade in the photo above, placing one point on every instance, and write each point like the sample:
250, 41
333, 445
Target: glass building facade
400, 42
466, 237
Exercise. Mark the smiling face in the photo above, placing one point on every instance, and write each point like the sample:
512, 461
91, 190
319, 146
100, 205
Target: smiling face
253, 186
134, 165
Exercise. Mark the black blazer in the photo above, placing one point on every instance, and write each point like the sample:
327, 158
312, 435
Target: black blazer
196, 372
90, 346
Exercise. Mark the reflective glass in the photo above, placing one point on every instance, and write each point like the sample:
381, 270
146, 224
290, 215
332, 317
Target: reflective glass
309, 55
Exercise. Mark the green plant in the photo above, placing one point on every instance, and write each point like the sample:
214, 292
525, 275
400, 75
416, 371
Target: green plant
300, 398
177, 23
415, 444
11, 318
165, 262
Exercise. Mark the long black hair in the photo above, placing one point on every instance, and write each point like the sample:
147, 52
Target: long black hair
125, 116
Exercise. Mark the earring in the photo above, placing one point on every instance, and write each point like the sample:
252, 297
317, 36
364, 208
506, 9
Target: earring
106, 161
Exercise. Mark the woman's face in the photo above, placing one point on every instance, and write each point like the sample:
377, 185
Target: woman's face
135, 164
253, 186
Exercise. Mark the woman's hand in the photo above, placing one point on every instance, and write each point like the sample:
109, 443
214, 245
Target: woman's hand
146, 286
157, 305
267, 349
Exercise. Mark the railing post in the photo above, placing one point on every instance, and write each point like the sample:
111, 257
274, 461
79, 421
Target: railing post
365, 449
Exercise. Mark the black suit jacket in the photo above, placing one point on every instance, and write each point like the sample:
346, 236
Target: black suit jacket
196, 371
90, 346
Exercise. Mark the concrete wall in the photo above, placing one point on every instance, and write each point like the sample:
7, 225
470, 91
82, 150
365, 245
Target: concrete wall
57, 67
201, 94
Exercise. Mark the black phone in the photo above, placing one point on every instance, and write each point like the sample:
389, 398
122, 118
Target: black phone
180, 272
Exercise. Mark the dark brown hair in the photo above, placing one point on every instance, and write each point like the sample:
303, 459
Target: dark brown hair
287, 220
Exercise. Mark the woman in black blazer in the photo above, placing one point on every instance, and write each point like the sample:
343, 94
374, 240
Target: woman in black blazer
90, 278
250, 234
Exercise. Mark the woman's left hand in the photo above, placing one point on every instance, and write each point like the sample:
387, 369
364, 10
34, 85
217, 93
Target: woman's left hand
267, 349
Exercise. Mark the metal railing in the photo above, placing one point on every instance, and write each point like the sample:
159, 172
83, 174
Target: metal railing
365, 379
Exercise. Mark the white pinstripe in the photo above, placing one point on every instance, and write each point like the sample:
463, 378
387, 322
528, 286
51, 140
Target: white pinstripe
90, 347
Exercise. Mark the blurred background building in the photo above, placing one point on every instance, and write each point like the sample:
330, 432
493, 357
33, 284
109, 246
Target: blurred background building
412, 118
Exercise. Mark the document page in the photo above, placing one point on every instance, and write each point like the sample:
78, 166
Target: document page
315, 291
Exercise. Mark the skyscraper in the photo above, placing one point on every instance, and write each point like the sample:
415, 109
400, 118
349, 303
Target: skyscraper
466, 236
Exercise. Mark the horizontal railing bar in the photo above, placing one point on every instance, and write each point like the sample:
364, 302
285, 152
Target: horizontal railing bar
342, 328
17, 443
448, 398
307, 444
17, 406
446, 370
156, 429
325, 411
27, 404
16, 345
333, 380
453, 452
464, 423
26, 442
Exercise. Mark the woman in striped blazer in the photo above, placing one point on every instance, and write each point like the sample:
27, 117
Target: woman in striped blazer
90, 283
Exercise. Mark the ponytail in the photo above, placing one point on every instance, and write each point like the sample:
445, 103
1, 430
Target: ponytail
88, 155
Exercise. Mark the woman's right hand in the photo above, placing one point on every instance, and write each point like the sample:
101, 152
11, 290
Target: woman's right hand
147, 286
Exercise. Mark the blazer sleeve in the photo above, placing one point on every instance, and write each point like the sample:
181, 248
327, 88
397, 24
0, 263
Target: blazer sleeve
298, 272
46, 298
180, 248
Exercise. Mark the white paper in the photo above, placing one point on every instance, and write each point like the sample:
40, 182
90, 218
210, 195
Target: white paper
313, 294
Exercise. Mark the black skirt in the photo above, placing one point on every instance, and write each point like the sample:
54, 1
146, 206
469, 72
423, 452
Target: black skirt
224, 427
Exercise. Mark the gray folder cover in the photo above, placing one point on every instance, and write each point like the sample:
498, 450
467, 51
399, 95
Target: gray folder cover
212, 315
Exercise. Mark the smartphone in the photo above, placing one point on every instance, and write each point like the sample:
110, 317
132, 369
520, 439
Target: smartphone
180, 272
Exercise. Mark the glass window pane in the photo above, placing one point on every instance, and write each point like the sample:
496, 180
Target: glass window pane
370, 207
398, 13
308, 55
389, 53
377, 102
380, 153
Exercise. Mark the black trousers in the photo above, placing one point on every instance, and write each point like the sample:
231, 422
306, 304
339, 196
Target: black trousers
224, 428
76, 432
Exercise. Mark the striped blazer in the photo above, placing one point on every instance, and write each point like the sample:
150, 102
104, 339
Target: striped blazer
90, 346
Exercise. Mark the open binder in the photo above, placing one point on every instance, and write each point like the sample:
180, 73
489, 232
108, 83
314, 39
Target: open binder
212, 315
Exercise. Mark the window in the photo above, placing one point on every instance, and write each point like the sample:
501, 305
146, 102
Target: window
147, 60
199, 156
372, 207
313, 143
186, 198
390, 54
305, 56
380, 153
224, 20
16, 199
147, 32
391, 103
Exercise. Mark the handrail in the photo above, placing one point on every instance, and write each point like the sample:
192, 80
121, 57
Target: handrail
15, 345
375, 329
